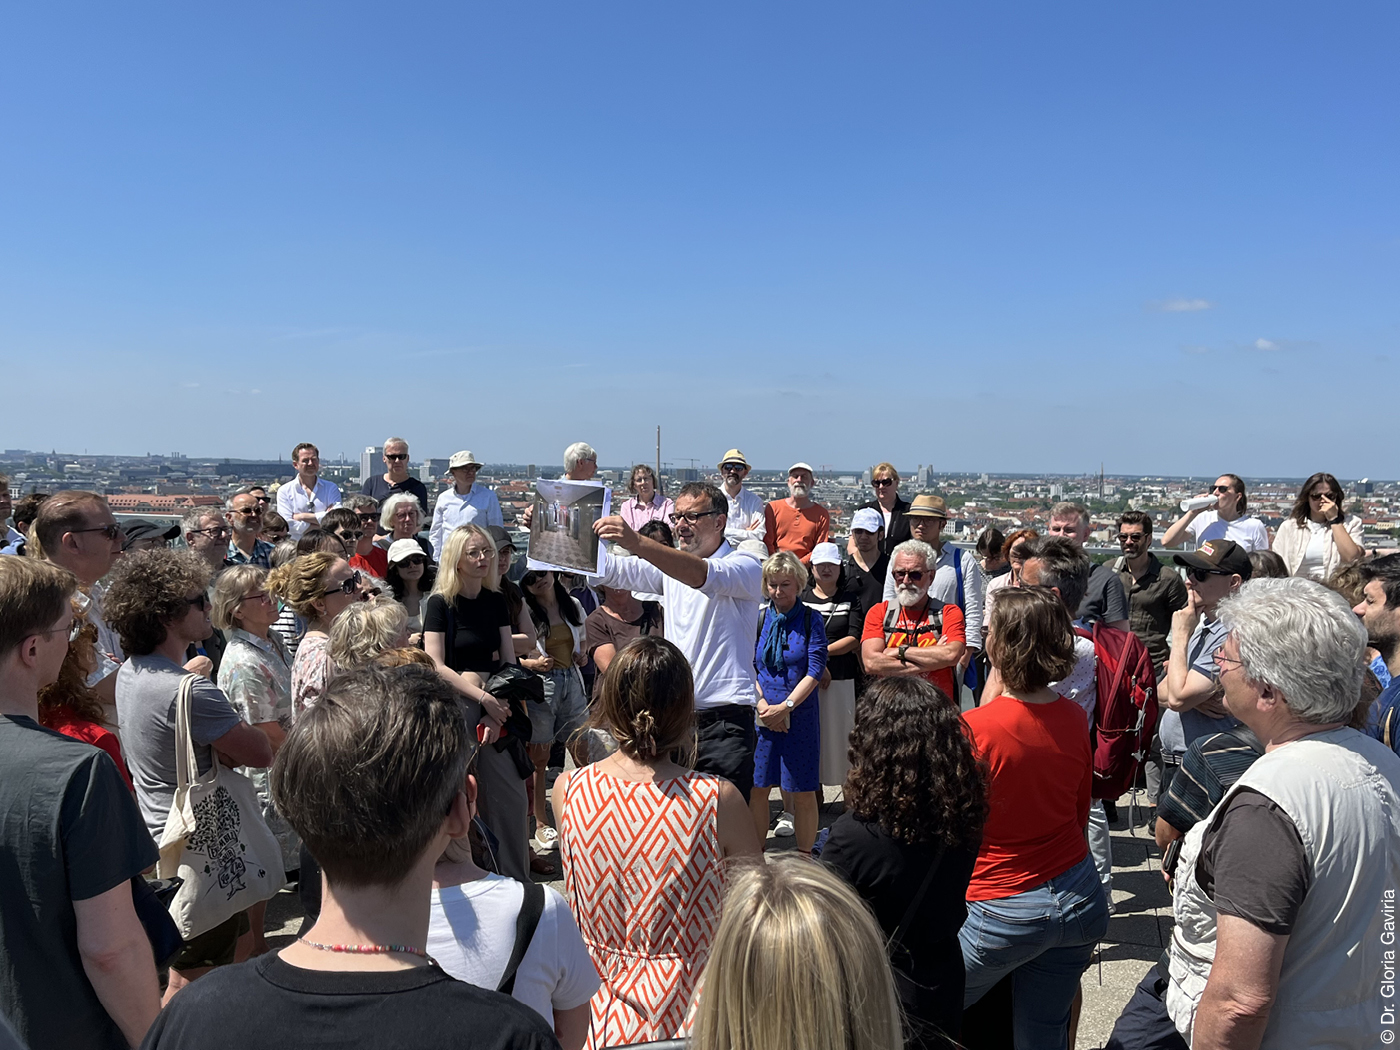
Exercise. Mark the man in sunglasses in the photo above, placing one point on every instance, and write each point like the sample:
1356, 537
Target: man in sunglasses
797, 523
1153, 595
916, 634
245, 514
746, 520
396, 477
1213, 572
206, 532
710, 593
1227, 518
77, 531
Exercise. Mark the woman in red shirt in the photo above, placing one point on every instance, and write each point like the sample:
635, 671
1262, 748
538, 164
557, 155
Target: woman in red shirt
69, 707
1035, 907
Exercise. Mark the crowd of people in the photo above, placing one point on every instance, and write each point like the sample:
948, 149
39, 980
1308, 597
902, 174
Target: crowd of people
363, 695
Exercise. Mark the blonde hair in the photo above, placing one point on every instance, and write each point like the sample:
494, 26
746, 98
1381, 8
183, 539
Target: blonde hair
301, 583
233, 585
881, 469
447, 583
785, 563
365, 630
798, 963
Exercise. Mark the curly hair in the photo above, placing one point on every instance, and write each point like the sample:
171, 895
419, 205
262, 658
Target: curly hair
148, 591
70, 690
913, 770
301, 582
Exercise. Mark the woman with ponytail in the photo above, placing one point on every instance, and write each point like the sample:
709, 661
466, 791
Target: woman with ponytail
644, 840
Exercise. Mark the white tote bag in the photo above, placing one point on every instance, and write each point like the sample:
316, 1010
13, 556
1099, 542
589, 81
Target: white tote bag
215, 837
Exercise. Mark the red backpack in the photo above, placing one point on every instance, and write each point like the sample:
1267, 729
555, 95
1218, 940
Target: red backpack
1125, 713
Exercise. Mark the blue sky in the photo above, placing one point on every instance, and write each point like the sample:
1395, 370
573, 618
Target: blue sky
988, 237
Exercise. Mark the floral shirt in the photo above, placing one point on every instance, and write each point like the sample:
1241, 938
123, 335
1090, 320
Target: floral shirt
256, 676
310, 671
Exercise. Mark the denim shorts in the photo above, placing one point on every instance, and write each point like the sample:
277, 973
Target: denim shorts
563, 711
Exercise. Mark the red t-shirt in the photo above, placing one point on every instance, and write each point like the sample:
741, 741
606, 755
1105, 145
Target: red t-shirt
790, 529
1040, 769
954, 630
63, 720
376, 562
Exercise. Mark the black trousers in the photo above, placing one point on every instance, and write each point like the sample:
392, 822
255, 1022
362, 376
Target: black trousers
1144, 1023
724, 741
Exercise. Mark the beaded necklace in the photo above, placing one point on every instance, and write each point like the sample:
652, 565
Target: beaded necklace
369, 949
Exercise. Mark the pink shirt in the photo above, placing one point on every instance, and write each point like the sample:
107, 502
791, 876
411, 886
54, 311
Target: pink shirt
638, 514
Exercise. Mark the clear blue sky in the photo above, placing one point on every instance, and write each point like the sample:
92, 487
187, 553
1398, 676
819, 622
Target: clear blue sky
984, 236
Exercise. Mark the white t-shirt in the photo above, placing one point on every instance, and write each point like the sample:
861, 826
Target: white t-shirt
471, 932
1079, 684
1315, 553
1248, 531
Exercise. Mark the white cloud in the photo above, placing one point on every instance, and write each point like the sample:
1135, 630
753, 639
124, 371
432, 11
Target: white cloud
1183, 306
1265, 344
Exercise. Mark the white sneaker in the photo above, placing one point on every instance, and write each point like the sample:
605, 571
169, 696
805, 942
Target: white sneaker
784, 828
545, 838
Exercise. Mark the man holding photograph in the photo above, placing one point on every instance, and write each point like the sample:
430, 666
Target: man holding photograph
710, 593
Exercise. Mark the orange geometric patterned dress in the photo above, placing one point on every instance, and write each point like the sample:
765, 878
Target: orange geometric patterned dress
643, 875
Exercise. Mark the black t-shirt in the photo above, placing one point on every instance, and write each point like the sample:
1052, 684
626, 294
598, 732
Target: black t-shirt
869, 585
69, 830
887, 873
264, 1002
381, 490
1252, 863
1104, 600
843, 616
475, 645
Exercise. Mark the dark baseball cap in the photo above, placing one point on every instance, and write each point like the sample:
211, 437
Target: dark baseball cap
499, 536
141, 529
1221, 556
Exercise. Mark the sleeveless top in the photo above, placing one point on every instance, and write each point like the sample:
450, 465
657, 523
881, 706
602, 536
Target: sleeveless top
1341, 789
643, 875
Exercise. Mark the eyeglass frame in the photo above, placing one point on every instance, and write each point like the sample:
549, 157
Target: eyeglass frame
1199, 574
692, 517
106, 530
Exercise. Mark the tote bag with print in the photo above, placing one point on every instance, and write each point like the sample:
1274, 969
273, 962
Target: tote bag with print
215, 837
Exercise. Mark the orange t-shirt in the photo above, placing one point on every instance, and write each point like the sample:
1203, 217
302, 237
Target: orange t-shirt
953, 630
790, 529
1040, 769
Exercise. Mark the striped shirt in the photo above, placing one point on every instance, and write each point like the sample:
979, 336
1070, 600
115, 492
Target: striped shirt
1210, 766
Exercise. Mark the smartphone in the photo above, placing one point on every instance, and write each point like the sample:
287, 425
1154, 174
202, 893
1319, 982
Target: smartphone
1169, 858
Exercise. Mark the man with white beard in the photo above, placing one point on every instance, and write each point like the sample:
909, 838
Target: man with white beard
796, 524
913, 635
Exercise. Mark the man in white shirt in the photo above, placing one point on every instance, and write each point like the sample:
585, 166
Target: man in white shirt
466, 502
711, 594
307, 496
1227, 519
745, 508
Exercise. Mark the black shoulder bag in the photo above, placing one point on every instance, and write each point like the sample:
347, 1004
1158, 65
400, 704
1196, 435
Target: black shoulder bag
531, 908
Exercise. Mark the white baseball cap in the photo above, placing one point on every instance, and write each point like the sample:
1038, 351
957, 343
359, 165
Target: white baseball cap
826, 554
867, 519
801, 466
401, 549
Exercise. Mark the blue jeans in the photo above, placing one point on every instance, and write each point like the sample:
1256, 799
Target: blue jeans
1045, 938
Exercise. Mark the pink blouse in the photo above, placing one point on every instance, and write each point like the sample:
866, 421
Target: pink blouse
638, 514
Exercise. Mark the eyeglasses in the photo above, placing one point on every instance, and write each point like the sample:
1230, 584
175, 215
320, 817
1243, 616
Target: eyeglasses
199, 601
261, 596
912, 575
219, 532
478, 552
1199, 575
880, 483
73, 627
1220, 658
396, 455
350, 584
691, 517
111, 532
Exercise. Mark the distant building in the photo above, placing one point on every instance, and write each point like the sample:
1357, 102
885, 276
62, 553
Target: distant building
371, 462
687, 474
430, 470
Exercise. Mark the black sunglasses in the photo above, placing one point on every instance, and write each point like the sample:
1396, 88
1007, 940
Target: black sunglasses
351, 584
1199, 575
112, 531
880, 483
413, 559
199, 601
912, 575
396, 455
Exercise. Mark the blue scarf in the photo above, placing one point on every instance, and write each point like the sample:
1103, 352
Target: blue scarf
774, 645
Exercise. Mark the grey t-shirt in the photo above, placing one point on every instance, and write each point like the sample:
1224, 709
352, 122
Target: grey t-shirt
1104, 600
1180, 729
147, 687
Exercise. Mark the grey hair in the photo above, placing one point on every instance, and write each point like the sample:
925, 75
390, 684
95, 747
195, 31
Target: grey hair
282, 552
1300, 638
362, 502
233, 585
1064, 509
193, 519
919, 549
395, 441
576, 453
393, 503
785, 563
246, 490
365, 630
1064, 566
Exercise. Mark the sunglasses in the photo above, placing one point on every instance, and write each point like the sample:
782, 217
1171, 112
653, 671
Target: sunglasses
248, 512
732, 468
1131, 537
880, 483
912, 575
1199, 575
1335, 497
111, 532
1221, 488
349, 534
412, 559
691, 517
200, 602
369, 516
396, 455
349, 586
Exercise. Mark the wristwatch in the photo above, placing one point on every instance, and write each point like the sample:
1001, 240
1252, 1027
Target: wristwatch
789, 704
902, 650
